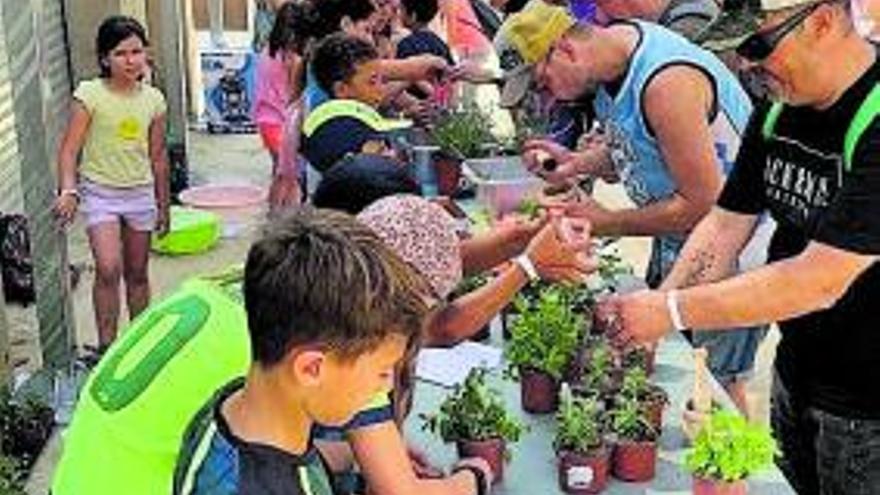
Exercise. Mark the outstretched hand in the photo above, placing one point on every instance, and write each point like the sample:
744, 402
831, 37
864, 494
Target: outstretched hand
634, 319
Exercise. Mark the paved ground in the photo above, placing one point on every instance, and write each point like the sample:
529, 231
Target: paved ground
241, 159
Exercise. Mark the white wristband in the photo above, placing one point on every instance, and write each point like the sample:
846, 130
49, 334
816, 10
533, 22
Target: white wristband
674, 311
527, 266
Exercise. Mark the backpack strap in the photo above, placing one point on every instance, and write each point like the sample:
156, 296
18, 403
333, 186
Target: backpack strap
770, 120
865, 116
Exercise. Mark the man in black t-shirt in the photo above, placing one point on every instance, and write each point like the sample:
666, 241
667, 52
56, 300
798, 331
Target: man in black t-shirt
813, 164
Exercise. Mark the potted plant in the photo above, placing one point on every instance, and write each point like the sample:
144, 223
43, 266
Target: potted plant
726, 451
583, 457
635, 449
460, 134
543, 341
25, 426
652, 398
12, 476
475, 419
598, 374
639, 357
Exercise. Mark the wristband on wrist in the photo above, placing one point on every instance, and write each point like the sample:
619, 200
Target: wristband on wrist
674, 310
479, 477
525, 263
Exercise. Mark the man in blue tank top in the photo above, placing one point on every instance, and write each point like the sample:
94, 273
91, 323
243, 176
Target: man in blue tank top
672, 117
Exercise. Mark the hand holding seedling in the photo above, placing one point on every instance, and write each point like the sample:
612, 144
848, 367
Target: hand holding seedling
637, 318
561, 250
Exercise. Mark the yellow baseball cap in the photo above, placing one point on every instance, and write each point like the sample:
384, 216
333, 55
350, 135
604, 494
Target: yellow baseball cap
523, 40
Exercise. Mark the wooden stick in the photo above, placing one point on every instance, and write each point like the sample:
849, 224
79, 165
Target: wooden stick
702, 393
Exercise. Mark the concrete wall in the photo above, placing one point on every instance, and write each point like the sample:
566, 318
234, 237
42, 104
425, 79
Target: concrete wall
4, 343
235, 14
167, 21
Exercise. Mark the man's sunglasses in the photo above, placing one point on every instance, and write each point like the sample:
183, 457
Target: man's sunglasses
761, 44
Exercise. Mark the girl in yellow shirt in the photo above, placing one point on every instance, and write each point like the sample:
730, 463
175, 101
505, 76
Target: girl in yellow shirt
118, 122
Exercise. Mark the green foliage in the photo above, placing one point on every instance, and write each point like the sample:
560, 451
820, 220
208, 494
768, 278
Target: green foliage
636, 357
481, 219
598, 366
579, 424
612, 265
729, 448
25, 425
629, 421
637, 386
529, 208
463, 133
11, 476
546, 334
611, 268
473, 412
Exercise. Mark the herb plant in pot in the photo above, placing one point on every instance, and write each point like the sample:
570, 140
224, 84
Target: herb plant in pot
597, 378
640, 357
475, 419
580, 445
543, 342
726, 451
635, 449
460, 134
652, 398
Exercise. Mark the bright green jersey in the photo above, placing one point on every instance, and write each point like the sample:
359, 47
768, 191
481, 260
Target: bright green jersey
132, 414
134, 409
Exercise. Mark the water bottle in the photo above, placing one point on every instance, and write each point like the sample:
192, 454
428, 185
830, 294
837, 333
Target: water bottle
425, 173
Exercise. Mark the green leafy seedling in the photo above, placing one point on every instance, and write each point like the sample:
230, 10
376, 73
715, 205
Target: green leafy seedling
546, 335
473, 412
579, 424
596, 378
728, 448
464, 132
530, 208
637, 386
630, 422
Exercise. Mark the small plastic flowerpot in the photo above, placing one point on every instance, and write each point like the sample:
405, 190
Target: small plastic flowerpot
491, 451
582, 474
634, 461
703, 486
540, 391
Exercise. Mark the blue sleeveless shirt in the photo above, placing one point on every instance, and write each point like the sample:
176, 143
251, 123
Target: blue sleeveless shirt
635, 154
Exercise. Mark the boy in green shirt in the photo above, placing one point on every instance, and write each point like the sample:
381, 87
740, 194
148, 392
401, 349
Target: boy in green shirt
330, 312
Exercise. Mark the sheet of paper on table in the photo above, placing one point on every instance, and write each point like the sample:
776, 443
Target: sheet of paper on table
449, 367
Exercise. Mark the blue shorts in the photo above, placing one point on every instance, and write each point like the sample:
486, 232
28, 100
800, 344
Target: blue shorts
731, 352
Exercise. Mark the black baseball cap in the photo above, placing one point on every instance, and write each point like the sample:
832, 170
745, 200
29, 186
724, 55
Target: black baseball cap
359, 180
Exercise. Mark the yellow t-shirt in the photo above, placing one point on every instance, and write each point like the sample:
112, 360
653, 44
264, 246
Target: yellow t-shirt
117, 148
